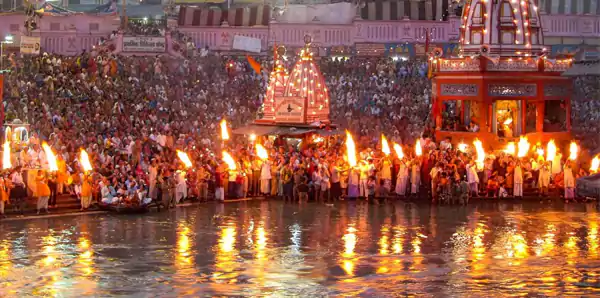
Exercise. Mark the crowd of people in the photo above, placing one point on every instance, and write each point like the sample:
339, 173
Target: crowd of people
131, 114
145, 27
585, 107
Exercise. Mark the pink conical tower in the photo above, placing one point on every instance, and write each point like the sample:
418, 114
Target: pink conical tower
307, 81
275, 89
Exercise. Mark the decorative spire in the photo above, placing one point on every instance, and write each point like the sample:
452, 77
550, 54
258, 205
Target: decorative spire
307, 81
507, 28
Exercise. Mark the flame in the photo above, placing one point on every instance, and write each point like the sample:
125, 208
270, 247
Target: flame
551, 151
52, 165
350, 150
229, 161
462, 147
85, 161
595, 164
261, 152
480, 153
573, 151
418, 148
185, 159
385, 147
523, 147
224, 132
6, 164
540, 152
508, 121
510, 148
399, 151
252, 137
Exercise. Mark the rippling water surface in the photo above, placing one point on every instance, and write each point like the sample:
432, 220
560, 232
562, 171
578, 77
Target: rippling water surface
268, 248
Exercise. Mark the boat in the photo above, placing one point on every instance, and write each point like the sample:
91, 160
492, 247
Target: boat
124, 209
588, 186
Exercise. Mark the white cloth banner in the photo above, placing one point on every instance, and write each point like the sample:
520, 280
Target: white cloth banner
336, 13
245, 43
144, 44
30, 45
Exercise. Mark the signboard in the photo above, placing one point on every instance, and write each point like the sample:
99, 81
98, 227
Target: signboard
370, 49
402, 49
144, 44
290, 109
245, 43
30, 45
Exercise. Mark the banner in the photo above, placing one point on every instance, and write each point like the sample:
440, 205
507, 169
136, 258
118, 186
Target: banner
564, 50
245, 43
30, 45
290, 109
144, 44
369, 49
336, 13
451, 49
403, 49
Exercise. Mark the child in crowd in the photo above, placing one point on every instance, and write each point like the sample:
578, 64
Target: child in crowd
303, 189
371, 187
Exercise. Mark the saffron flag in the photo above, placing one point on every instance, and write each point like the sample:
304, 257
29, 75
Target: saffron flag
255, 65
430, 69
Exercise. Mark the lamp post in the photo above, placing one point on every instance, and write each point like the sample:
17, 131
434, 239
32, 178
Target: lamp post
8, 39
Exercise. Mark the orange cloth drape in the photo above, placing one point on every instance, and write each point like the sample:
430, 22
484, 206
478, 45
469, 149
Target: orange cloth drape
255, 65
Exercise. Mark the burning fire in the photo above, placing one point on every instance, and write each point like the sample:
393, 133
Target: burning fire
480, 153
523, 147
350, 150
52, 165
385, 147
399, 151
418, 148
508, 121
224, 132
229, 161
573, 151
551, 151
6, 164
85, 161
595, 165
252, 137
510, 148
185, 159
540, 152
462, 147
261, 152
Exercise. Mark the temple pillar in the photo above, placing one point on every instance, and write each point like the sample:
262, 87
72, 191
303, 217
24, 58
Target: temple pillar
568, 110
487, 110
539, 121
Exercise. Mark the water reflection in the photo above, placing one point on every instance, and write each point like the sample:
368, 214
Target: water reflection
49, 265
6, 265
283, 250
226, 253
350, 240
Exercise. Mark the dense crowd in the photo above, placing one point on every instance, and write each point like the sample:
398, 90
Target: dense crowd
585, 106
145, 27
127, 111
132, 113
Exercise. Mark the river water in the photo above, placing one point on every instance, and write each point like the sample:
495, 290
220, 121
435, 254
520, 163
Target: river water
269, 248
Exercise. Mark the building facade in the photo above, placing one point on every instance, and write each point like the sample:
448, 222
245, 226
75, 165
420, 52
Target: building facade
400, 27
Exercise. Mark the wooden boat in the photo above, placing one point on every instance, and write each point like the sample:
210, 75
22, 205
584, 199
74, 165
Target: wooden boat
588, 186
124, 209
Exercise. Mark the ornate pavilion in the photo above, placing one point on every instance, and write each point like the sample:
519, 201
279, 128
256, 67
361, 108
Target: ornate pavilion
295, 104
502, 85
